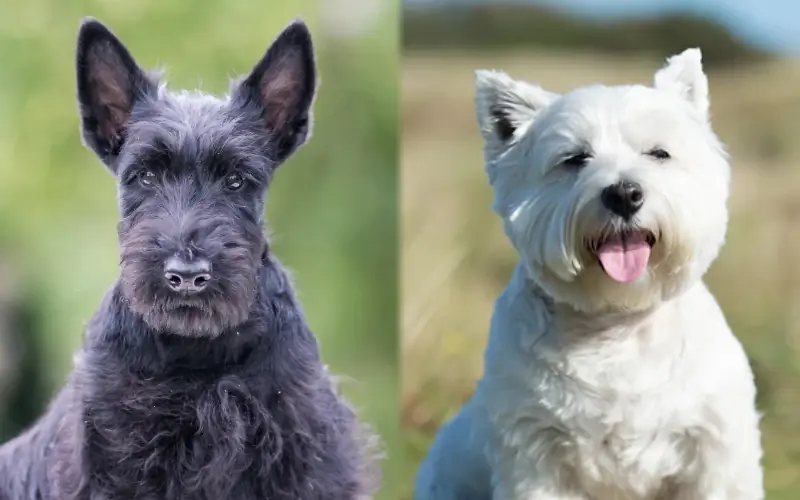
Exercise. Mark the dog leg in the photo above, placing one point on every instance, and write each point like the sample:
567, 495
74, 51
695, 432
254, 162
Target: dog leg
733, 475
539, 492
742, 486
522, 482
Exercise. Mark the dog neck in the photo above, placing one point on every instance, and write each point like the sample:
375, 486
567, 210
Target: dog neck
564, 317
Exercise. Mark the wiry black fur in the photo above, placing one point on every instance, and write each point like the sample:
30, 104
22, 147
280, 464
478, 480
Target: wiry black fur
217, 396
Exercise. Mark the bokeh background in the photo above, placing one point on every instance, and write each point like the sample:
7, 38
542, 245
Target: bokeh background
332, 208
455, 258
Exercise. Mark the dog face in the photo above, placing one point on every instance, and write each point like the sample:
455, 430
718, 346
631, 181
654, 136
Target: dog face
192, 172
614, 197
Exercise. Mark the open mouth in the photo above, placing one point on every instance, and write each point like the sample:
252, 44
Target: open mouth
624, 255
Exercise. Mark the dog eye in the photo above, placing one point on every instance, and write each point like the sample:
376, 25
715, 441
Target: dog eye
234, 182
147, 178
659, 154
577, 160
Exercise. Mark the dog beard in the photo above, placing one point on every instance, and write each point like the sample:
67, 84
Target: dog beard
225, 304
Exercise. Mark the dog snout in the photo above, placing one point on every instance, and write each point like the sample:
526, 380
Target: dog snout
624, 198
187, 276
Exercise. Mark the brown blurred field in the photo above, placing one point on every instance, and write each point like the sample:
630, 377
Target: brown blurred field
455, 259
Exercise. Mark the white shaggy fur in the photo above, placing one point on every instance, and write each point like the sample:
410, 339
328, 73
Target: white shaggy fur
596, 389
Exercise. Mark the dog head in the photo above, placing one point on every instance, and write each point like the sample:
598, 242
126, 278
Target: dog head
192, 172
614, 197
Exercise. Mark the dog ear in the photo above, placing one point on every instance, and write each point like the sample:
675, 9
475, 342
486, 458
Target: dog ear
683, 75
109, 84
282, 85
504, 105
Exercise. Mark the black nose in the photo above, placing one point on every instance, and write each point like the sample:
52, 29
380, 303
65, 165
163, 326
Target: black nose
623, 198
187, 276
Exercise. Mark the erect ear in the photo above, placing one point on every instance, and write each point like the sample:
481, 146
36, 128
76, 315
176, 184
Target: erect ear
504, 105
683, 75
109, 85
282, 86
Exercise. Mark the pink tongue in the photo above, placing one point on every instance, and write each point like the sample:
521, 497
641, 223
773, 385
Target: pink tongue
624, 259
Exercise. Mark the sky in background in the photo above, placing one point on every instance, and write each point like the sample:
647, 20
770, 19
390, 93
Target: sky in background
771, 24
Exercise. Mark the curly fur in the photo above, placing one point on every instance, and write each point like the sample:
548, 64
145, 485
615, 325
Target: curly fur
219, 395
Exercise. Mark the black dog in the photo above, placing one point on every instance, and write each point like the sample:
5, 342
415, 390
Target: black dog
198, 377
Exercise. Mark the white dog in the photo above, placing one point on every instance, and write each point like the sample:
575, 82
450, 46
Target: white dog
610, 372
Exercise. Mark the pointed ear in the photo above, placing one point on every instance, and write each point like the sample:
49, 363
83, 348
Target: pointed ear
504, 105
282, 87
683, 75
109, 85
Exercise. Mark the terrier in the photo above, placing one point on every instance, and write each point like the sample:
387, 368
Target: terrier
610, 372
199, 377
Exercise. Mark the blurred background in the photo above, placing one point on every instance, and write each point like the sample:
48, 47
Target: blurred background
332, 208
455, 258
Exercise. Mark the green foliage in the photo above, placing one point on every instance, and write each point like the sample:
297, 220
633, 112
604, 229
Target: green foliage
504, 26
332, 208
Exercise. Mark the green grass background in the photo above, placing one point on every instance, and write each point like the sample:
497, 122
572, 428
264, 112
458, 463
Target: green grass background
332, 207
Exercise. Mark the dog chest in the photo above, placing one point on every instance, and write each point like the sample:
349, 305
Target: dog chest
635, 455
621, 421
193, 439
632, 426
